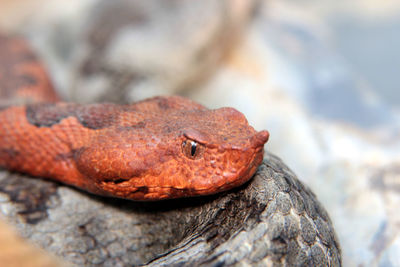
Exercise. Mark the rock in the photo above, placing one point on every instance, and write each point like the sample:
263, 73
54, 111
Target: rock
133, 49
273, 219
127, 50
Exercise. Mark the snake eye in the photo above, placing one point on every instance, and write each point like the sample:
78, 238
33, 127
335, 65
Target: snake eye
192, 149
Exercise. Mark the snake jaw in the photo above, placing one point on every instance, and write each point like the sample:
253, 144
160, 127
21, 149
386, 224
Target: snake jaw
146, 189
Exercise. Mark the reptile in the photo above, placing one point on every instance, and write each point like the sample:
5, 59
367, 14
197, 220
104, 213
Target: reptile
159, 148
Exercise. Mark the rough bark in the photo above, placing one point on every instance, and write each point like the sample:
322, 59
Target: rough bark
272, 220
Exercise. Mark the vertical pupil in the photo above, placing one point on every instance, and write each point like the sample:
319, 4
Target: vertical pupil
193, 148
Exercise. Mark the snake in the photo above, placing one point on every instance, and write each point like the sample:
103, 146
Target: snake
159, 148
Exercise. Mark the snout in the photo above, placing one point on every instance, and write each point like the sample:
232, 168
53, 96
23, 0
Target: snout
259, 139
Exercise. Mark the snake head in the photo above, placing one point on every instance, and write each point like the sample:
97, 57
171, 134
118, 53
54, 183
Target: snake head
180, 153
221, 154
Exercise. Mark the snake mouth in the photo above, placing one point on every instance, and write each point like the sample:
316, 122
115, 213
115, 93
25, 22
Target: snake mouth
140, 188
119, 182
116, 182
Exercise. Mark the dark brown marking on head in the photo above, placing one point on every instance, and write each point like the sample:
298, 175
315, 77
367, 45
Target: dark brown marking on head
96, 116
92, 122
44, 115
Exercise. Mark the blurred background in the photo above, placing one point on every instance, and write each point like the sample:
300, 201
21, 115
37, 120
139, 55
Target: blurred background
321, 75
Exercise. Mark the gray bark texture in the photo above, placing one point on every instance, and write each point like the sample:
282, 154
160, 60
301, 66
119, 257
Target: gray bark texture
273, 220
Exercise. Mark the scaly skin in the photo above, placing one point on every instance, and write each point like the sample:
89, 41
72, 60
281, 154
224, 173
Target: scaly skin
159, 148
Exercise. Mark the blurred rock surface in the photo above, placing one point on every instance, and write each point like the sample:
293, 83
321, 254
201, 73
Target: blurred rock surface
126, 50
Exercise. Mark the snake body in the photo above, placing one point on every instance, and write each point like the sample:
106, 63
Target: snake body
158, 148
